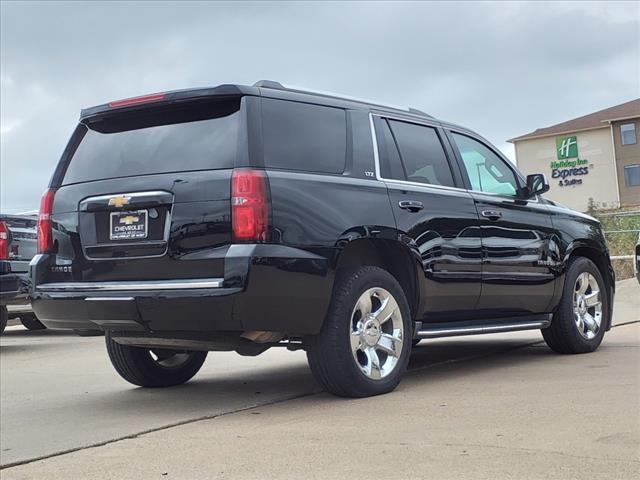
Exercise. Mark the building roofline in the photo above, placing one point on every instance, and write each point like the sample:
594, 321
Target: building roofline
589, 121
556, 134
619, 119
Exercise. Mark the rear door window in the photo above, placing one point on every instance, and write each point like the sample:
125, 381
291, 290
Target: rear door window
303, 137
201, 136
422, 154
390, 163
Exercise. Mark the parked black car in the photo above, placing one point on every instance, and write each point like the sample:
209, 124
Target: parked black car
17, 247
243, 218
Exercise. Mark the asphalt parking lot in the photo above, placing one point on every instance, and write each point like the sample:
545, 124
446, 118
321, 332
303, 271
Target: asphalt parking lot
495, 406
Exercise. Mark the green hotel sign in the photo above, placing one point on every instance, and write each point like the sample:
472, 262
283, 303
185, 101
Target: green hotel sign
567, 147
568, 163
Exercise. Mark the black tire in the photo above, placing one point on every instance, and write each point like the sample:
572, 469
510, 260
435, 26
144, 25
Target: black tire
137, 366
4, 318
31, 322
329, 353
563, 336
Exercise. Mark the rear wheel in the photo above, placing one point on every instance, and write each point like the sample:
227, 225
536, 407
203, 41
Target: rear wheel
580, 322
31, 322
4, 318
365, 342
157, 367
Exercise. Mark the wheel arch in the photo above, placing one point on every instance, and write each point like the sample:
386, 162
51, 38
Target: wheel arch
388, 252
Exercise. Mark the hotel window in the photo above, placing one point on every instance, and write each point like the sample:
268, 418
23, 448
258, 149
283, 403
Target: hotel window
632, 175
628, 133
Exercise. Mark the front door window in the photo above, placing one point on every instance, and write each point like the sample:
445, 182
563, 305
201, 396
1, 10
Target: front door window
487, 172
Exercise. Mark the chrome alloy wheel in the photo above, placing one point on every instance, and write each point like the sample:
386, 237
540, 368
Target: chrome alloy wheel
169, 358
587, 306
377, 333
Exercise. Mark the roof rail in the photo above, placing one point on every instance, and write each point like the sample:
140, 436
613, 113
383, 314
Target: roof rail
278, 86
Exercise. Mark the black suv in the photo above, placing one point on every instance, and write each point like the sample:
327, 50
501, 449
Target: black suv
17, 247
242, 218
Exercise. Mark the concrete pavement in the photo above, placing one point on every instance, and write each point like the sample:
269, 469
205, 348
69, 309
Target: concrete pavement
499, 406
60, 392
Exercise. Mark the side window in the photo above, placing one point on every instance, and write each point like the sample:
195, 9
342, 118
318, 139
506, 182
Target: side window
628, 133
304, 137
632, 175
390, 163
422, 154
487, 172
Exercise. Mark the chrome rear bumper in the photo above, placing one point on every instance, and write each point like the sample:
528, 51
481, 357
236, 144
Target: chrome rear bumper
182, 284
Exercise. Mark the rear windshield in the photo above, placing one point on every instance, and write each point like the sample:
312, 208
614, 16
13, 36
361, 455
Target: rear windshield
202, 136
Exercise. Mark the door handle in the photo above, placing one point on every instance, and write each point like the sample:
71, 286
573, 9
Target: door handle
411, 205
492, 214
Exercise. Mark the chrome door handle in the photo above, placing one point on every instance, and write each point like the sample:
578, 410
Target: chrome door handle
411, 205
492, 214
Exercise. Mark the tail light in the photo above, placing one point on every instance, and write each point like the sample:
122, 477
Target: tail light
45, 227
4, 241
249, 205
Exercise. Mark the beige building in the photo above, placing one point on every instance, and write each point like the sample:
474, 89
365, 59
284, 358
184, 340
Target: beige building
594, 158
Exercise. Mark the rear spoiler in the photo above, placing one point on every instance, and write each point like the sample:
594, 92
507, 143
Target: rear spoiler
165, 98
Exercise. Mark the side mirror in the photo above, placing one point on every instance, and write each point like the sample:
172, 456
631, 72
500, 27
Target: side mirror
536, 185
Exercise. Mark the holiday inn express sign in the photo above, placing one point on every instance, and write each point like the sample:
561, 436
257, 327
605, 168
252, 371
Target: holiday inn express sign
568, 166
588, 159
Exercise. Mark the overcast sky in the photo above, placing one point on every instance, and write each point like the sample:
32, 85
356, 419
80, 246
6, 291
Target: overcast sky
502, 69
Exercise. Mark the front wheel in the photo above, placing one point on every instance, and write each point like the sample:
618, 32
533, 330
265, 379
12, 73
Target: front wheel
364, 345
580, 321
156, 367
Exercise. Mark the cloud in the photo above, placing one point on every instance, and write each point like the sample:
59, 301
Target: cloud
502, 69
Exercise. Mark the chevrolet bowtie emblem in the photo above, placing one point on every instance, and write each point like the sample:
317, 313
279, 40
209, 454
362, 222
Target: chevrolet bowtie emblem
119, 202
129, 219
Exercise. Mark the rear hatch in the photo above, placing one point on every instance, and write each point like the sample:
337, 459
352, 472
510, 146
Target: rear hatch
21, 240
144, 193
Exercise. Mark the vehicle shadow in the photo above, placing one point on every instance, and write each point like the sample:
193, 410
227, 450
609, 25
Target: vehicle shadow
23, 332
463, 357
105, 407
270, 384
209, 394
432, 353
19, 340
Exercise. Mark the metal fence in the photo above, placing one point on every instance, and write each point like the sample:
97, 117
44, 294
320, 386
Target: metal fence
609, 233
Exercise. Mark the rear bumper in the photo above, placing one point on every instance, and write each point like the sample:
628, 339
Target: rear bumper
14, 288
265, 287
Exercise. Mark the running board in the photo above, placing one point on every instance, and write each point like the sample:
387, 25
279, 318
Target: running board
450, 329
